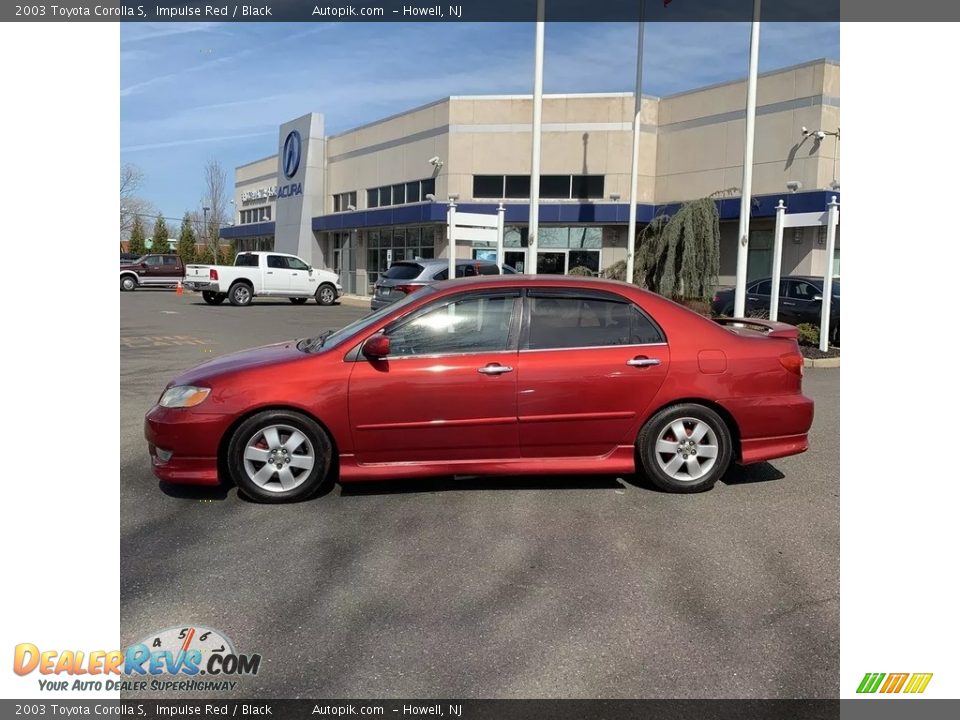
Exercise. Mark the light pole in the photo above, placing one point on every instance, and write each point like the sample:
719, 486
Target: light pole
534, 228
635, 157
451, 240
743, 236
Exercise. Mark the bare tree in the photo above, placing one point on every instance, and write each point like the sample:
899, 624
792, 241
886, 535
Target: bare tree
215, 200
131, 204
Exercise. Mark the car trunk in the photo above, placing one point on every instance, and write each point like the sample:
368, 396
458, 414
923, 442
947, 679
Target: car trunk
399, 281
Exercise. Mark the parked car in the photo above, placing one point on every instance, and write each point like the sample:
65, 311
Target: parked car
128, 258
151, 271
406, 276
269, 274
491, 376
801, 301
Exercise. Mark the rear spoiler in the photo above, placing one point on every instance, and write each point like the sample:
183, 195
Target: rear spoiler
770, 328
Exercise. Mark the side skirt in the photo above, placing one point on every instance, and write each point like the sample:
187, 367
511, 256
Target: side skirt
620, 460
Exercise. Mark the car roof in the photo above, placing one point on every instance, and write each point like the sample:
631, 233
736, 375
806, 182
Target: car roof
480, 282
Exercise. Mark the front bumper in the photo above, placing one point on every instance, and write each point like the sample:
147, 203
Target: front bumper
183, 444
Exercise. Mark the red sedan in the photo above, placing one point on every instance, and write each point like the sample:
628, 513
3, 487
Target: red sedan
491, 376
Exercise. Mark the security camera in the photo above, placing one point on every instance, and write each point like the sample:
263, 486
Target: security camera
820, 134
803, 130
794, 185
436, 161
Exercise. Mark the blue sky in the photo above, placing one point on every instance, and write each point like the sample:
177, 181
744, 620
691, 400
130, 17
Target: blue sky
195, 91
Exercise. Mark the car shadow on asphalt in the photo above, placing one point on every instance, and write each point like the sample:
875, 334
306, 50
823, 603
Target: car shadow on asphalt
736, 475
757, 473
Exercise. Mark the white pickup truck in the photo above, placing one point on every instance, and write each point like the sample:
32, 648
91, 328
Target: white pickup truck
270, 274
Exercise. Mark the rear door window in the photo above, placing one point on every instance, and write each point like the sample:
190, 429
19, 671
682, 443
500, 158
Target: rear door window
580, 322
403, 271
761, 288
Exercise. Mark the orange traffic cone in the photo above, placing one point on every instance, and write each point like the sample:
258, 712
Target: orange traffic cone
179, 287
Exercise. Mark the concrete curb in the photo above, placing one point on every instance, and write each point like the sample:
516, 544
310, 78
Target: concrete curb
822, 362
355, 301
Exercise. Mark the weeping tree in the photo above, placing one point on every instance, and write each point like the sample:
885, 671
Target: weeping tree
679, 257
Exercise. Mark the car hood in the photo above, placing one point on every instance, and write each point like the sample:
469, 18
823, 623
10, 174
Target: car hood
240, 361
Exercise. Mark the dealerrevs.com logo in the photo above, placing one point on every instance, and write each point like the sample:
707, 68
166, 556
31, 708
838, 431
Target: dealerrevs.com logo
910, 683
187, 658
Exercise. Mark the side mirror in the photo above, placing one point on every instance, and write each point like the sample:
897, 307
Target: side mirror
309, 271
376, 347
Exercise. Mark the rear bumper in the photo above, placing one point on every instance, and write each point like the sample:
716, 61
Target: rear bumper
377, 303
771, 426
201, 286
183, 445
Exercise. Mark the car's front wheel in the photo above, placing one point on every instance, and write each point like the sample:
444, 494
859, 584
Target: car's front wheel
128, 283
279, 456
213, 298
685, 448
326, 294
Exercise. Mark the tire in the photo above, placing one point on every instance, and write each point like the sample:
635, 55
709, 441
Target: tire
660, 461
260, 479
326, 294
128, 283
212, 298
240, 294
298, 301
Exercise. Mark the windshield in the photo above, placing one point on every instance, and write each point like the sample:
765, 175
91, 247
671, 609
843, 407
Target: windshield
403, 271
329, 339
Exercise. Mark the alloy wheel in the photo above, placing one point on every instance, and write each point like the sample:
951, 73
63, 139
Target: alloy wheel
687, 449
278, 458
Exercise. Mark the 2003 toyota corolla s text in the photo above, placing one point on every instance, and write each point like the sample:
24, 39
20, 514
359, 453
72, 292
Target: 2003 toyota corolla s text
491, 376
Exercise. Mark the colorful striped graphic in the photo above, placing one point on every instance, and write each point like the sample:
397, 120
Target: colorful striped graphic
894, 682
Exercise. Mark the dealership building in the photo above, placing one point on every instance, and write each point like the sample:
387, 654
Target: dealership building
361, 199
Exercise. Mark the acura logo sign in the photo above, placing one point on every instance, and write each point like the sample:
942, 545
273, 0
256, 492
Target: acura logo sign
291, 154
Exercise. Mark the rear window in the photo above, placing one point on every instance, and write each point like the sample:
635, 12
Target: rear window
403, 271
489, 269
246, 260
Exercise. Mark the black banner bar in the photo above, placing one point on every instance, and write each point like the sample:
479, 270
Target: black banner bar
476, 11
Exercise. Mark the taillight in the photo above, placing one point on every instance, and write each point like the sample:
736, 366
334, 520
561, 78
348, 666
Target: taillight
792, 362
214, 275
406, 289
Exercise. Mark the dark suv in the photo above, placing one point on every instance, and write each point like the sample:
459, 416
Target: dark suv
403, 277
801, 300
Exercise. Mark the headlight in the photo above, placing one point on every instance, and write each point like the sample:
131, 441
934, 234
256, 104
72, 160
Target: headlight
184, 396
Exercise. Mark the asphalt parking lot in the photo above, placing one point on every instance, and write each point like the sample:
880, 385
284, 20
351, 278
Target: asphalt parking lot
571, 587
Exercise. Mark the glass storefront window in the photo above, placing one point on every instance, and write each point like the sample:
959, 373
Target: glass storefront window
554, 237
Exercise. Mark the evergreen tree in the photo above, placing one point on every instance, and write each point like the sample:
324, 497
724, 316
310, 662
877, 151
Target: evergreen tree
137, 245
187, 245
227, 253
160, 237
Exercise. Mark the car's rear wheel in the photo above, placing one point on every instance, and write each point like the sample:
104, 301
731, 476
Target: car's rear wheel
240, 294
685, 448
213, 298
128, 283
298, 301
326, 294
279, 456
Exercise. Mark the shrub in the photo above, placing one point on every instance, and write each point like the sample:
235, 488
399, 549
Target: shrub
808, 334
581, 270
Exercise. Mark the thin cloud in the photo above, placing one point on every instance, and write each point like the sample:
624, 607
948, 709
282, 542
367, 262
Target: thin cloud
193, 141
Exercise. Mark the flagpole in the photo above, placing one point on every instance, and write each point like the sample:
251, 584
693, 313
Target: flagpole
534, 228
743, 244
635, 157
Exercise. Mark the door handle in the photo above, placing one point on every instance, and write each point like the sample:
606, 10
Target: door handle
791, 304
494, 369
643, 362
